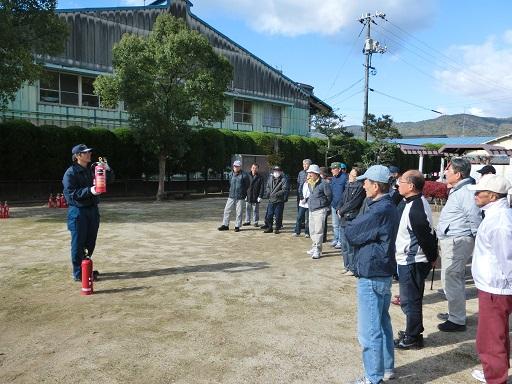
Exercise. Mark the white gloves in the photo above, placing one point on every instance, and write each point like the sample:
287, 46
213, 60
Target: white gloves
93, 191
258, 199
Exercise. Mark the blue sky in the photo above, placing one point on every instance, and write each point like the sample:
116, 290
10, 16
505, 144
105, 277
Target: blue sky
450, 56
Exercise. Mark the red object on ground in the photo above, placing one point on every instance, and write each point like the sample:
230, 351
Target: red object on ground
51, 201
435, 189
87, 277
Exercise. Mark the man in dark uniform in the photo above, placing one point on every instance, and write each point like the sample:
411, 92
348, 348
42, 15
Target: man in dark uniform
82, 199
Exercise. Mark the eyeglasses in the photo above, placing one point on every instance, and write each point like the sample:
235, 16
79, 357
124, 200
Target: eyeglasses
400, 181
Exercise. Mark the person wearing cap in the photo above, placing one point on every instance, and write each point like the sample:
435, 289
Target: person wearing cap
83, 218
319, 202
303, 212
301, 180
238, 185
254, 195
338, 182
393, 181
487, 170
416, 251
276, 190
373, 235
492, 274
456, 231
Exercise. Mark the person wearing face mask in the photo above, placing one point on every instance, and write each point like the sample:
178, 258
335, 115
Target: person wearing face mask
276, 190
83, 214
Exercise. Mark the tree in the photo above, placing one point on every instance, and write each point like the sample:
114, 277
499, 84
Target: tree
29, 29
165, 80
330, 124
381, 150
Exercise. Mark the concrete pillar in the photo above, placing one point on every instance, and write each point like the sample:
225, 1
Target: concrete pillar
441, 171
420, 166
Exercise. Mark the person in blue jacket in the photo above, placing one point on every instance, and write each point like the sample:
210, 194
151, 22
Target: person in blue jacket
373, 235
83, 214
338, 183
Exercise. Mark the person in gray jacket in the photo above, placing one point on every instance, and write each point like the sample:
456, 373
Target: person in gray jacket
456, 231
319, 202
238, 185
277, 190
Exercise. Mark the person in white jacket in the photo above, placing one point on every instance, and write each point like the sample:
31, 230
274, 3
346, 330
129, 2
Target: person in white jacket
492, 273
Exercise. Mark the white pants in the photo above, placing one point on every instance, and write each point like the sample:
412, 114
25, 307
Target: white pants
316, 227
227, 212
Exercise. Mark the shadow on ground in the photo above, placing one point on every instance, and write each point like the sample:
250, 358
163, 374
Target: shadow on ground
219, 267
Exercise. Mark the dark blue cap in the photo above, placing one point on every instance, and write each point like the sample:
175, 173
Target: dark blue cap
79, 149
394, 169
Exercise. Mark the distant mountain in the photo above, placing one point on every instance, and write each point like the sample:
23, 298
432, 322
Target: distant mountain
451, 125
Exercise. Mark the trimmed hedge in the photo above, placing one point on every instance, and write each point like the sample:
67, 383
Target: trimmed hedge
29, 152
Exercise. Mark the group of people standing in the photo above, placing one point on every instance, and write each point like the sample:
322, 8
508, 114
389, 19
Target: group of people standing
384, 228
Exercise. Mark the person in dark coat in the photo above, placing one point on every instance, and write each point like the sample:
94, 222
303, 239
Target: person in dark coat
347, 210
238, 184
254, 196
83, 212
277, 190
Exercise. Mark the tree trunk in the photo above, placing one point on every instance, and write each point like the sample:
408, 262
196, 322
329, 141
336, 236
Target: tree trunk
327, 150
161, 177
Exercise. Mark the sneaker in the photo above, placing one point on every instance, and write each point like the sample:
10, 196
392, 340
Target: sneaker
338, 245
310, 252
237, 229
295, 234
349, 273
79, 278
443, 316
95, 275
246, 224
449, 326
389, 375
344, 270
306, 236
276, 232
409, 342
223, 228
256, 225
316, 255
264, 227
478, 374
333, 243
268, 230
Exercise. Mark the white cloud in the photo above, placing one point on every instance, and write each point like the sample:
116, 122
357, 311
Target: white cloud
507, 36
327, 17
484, 75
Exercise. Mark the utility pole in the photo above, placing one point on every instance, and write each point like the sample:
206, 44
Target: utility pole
370, 47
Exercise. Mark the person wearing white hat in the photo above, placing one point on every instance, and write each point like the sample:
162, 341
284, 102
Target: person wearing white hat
238, 185
492, 273
319, 203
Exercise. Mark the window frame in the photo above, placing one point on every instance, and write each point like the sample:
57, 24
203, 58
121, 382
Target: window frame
243, 115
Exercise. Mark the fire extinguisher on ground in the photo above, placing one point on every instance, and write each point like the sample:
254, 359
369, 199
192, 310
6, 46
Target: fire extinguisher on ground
4, 210
87, 277
100, 175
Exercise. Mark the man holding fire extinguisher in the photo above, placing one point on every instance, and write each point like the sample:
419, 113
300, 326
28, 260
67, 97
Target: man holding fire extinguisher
82, 196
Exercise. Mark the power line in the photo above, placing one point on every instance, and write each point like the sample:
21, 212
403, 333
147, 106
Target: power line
351, 50
345, 90
405, 101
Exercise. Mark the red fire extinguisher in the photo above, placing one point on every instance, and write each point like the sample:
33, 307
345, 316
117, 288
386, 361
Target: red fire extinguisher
100, 175
87, 277
2, 211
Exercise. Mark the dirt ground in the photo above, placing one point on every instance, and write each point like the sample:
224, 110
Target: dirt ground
180, 302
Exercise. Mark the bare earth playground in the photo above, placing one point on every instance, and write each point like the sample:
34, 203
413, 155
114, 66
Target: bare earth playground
180, 302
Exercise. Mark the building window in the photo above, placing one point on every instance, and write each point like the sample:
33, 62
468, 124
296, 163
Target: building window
89, 99
272, 116
67, 89
243, 112
49, 88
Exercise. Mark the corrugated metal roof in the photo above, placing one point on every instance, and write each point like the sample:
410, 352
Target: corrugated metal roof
463, 140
